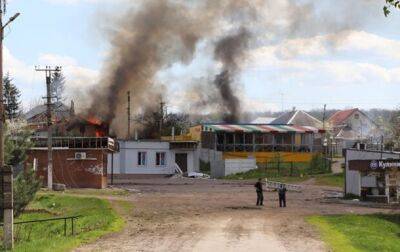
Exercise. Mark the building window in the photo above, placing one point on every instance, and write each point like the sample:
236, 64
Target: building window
356, 116
160, 159
141, 158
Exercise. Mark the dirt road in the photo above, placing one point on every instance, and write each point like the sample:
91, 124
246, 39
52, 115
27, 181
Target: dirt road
212, 215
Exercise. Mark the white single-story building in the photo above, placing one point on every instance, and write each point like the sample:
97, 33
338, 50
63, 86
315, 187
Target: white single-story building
154, 157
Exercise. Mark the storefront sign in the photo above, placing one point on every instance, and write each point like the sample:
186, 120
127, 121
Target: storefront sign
384, 164
374, 165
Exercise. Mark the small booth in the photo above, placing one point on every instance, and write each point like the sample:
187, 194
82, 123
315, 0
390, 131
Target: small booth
378, 180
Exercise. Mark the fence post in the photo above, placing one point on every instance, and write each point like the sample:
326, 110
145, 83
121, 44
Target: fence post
65, 227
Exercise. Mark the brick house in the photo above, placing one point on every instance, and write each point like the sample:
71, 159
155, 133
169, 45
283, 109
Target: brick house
78, 162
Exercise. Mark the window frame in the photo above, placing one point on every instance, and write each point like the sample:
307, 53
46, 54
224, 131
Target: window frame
139, 159
160, 154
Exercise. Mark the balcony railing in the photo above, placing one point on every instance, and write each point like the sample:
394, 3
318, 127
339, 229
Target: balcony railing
77, 143
265, 147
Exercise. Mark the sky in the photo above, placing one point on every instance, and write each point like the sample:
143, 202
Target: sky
361, 70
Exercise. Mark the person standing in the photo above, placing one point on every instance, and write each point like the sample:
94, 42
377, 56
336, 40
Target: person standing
259, 190
282, 195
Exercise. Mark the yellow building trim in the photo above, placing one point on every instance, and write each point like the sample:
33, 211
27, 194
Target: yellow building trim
263, 157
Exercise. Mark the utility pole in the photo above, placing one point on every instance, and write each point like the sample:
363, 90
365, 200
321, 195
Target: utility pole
161, 116
129, 114
6, 174
48, 71
323, 118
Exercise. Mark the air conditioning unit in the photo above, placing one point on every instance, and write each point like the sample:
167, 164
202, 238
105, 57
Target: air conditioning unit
80, 155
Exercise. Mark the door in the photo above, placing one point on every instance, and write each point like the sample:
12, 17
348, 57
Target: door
181, 161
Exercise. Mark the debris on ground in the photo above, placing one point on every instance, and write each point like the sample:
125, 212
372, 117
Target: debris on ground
59, 187
198, 175
332, 194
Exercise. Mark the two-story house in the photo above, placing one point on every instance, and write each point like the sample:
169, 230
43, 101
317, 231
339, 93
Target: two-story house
351, 126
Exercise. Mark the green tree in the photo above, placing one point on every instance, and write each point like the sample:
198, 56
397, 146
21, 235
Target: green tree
11, 97
58, 86
390, 4
26, 184
394, 129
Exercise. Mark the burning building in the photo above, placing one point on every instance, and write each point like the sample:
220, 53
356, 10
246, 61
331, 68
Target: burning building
78, 162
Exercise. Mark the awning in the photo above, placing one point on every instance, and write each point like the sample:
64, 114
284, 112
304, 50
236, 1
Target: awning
262, 128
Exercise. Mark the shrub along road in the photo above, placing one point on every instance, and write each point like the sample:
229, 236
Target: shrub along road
218, 215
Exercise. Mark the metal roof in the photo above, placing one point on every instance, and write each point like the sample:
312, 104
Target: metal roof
263, 128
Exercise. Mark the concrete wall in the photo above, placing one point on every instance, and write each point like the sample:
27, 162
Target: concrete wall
209, 155
222, 168
233, 166
126, 161
353, 178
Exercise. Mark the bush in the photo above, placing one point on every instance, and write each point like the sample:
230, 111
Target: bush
25, 188
17, 142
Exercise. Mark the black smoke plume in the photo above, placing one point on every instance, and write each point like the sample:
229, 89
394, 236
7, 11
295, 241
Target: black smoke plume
230, 51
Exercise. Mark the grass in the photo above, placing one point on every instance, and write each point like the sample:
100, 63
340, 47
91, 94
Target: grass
376, 232
98, 218
97, 192
259, 173
336, 180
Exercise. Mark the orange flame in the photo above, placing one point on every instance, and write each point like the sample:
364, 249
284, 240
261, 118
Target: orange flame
94, 120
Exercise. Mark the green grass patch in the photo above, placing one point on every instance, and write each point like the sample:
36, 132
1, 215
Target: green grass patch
98, 218
336, 180
376, 232
270, 174
99, 192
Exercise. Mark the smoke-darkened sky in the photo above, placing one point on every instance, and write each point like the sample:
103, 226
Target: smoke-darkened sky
354, 52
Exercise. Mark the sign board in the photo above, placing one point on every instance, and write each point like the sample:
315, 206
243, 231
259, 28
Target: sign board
374, 165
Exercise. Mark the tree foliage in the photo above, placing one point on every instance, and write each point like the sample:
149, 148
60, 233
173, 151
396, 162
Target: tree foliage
393, 128
11, 97
26, 184
57, 87
390, 4
16, 144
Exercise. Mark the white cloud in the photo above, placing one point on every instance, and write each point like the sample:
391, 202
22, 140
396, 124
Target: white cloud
85, 1
306, 59
31, 84
364, 41
16, 67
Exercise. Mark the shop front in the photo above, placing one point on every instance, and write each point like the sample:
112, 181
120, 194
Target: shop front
378, 180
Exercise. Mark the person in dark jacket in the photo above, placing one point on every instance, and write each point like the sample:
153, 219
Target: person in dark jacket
282, 195
259, 190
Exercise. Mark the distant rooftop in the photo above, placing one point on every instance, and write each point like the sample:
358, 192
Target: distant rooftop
298, 117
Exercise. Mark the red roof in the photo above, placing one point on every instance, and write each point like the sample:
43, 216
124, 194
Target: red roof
340, 116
